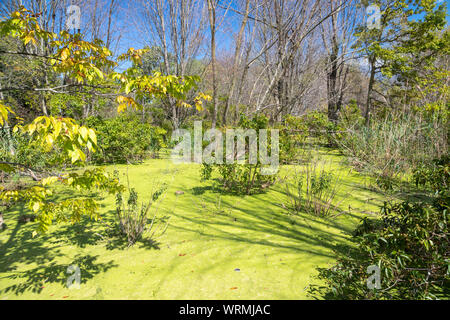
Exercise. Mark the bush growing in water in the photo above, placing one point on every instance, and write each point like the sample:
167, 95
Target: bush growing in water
409, 243
313, 190
242, 178
133, 221
125, 139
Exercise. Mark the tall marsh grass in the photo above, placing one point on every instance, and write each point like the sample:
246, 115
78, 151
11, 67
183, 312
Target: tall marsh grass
394, 146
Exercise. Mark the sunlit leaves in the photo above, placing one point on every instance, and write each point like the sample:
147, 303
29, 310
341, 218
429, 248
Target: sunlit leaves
33, 195
81, 60
78, 59
63, 133
68, 210
71, 210
133, 55
157, 86
96, 179
4, 111
125, 102
406, 48
49, 181
24, 25
89, 63
199, 100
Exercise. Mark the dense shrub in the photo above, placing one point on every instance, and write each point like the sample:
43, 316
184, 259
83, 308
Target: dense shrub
409, 243
293, 133
125, 139
351, 116
189, 125
436, 175
19, 148
320, 127
242, 178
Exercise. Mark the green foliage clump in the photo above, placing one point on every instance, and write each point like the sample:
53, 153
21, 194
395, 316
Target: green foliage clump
20, 148
243, 178
320, 127
350, 116
436, 175
125, 139
293, 133
409, 243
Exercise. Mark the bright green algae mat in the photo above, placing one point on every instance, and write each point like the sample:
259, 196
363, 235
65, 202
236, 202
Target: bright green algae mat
217, 246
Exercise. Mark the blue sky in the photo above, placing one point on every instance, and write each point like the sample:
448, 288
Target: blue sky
225, 34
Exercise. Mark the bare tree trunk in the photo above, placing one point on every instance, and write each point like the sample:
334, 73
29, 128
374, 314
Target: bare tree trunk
333, 107
212, 22
236, 61
178, 28
370, 89
108, 34
336, 35
289, 24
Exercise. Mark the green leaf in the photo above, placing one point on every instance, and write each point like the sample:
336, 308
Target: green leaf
36, 206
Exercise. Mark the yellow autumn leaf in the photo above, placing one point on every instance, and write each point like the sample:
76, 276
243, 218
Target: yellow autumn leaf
64, 54
49, 180
122, 107
84, 133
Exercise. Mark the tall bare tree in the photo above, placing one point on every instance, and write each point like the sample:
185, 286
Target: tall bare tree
236, 59
212, 13
337, 36
177, 27
286, 28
